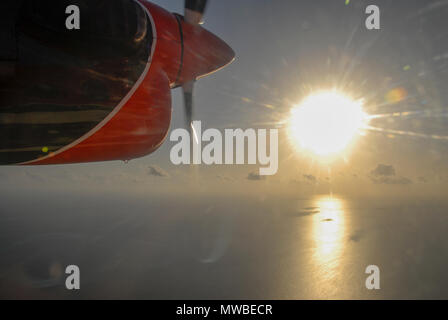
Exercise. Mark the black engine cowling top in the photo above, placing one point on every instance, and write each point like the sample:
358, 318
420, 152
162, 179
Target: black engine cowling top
118, 25
57, 84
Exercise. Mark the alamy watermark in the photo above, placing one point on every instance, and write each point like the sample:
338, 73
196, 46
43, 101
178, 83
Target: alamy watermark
73, 280
226, 148
373, 280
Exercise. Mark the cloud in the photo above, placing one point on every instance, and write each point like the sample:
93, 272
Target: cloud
157, 172
308, 211
310, 178
398, 180
422, 179
306, 179
224, 178
255, 176
357, 235
385, 174
392, 180
383, 170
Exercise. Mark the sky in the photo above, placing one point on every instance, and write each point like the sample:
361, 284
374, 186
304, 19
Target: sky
286, 50
149, 224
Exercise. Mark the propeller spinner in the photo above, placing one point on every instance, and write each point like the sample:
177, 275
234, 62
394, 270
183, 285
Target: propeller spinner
194, 10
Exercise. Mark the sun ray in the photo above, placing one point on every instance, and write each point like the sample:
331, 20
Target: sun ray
422, 113
406, 133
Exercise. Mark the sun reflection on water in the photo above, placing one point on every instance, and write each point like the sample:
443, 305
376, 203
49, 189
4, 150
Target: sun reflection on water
328, 235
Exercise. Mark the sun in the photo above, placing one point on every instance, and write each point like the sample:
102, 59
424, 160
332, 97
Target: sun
326, 123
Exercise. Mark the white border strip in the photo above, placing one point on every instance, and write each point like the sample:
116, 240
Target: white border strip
118, 107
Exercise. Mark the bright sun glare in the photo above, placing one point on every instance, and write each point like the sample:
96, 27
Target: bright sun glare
325, 123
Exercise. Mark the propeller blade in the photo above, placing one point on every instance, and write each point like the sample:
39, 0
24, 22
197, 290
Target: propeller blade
194, 10
188, 102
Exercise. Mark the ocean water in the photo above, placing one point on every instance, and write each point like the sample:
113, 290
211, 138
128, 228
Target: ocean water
246, 248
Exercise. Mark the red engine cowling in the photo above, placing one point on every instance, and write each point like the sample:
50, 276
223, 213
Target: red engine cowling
99, 93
